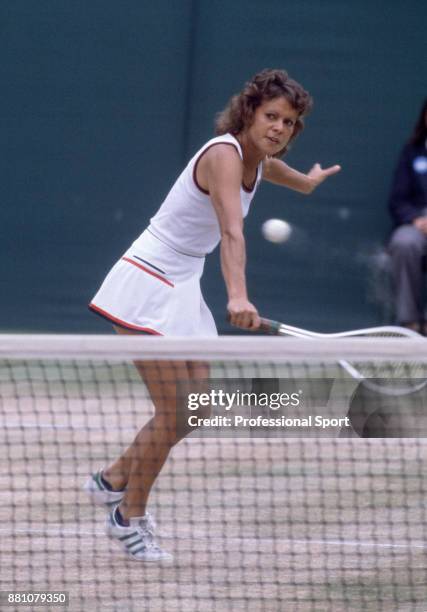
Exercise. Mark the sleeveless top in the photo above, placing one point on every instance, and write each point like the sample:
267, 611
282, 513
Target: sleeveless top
186, 220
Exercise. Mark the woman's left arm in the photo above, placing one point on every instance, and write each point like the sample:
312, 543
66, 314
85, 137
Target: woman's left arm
276, 171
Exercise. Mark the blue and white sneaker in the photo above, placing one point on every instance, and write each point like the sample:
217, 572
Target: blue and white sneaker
138, 538
98, 492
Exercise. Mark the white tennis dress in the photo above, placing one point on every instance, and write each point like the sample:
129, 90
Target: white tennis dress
155, 286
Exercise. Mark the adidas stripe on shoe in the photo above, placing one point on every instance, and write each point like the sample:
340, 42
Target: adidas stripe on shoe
137, 539
98, 492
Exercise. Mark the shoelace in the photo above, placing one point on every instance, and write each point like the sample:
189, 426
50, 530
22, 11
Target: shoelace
146, 527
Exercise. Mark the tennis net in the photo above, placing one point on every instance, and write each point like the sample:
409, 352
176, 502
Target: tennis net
311, 497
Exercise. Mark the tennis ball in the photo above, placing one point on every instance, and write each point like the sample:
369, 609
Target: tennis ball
276, 230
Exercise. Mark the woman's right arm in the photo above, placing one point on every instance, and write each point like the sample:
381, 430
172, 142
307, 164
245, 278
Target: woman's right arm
222, 172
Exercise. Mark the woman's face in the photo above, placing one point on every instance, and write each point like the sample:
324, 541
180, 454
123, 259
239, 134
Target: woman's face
273, 126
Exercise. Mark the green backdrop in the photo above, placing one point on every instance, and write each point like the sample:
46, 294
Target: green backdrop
104, 101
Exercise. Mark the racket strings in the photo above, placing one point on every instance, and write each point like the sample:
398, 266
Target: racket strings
388, 378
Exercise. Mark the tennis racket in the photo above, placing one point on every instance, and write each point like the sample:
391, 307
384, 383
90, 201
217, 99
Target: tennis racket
360, 372
280, 329
389, 394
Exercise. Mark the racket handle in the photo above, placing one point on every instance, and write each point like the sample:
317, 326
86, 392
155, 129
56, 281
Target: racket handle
269, 326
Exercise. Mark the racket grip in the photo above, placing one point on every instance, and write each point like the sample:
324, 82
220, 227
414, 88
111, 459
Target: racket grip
268, 326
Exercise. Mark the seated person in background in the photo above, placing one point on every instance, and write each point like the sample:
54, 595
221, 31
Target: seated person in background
408, 243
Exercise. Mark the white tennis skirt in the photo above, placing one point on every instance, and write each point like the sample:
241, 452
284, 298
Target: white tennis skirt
156, 290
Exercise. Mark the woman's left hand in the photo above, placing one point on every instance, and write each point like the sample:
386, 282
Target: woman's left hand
318, 174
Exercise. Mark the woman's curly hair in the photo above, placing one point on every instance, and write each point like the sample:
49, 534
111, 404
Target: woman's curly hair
266, 85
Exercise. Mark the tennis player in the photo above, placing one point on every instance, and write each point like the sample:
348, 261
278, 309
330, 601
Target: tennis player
155, 287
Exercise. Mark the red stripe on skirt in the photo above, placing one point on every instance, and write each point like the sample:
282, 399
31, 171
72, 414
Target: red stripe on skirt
107, 315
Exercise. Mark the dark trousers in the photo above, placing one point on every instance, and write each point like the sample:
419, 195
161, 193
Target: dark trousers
407, 248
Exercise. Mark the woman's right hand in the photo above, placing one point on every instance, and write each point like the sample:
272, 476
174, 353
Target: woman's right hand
242, 313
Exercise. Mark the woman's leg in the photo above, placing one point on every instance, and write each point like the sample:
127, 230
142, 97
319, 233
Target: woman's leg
138, 467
